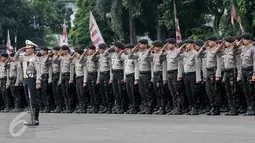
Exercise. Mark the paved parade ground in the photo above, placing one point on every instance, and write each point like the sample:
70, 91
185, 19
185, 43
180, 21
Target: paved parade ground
96, 128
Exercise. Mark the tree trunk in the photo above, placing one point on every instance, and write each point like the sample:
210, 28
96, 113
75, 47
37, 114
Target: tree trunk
132, 32
159, 32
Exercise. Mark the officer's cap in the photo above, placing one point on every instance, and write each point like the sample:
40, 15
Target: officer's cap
102, 46
189, 41
130, 46
79, 50
199, 42
229, 39
238, 38
57, 48
143, 41
91, 47
219, 41
119, 45
170, 41
64, 47
30, 44
212, 38
157, 43
44, 48
180, 43
4, 55
247, 36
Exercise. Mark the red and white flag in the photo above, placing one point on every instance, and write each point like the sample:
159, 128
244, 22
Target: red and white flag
177, 26
64, 40
8, 44
234, 17
95, 34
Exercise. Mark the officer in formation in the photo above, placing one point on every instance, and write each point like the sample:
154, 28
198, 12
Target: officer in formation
200, 76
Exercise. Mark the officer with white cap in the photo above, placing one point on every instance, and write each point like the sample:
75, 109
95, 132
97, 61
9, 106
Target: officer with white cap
32, 78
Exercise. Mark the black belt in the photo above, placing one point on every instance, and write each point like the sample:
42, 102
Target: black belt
145, 72
130, 75
105, 73
190, 73
45, 75
247, 68
172, 71
78, 77
3, 78
12, 78
57, 73
157, 73
229, 70
211, 69
92, 73
117, 71
65, 74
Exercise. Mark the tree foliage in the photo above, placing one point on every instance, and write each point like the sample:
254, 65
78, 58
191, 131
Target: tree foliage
35, 20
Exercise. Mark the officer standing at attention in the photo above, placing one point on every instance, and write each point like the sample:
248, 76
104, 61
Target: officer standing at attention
105, 74
131, 78
173, 63
66, 77
3, 80
45, 63
159, 72
32, 78
14, 72
117, 80
213, 67
192, 75
247, 51
230, 74
144, 63
79, 72
91, 58
55, 80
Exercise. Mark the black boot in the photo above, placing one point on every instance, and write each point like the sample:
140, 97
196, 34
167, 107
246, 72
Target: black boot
232, 112
149, 111
143, 111
83, 108
109, 110
96, 109
178, 111
157, 112
34, 119
104, 110
250, 112
216, 111
78, 108
193, 111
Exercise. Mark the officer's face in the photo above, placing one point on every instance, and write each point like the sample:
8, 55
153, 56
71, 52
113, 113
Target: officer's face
91, 51
101, 51
227, 44
189, 47
197, 48
156, 49
65, 52
29, 51
211, 44
170, 46
55, 52
143, 46
117, 49
246, 42
128, 50
43, 52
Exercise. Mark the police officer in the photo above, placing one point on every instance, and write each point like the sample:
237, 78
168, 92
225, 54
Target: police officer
79, 73
213, 67
192, 75
3, 80
105, 74
230, 75
66, 77
131, 79
91, 58
55, 80
45, 63
205, 105
144, 63
159, 72
32, 77
248, 72
174, 77
117, 80
13, 81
